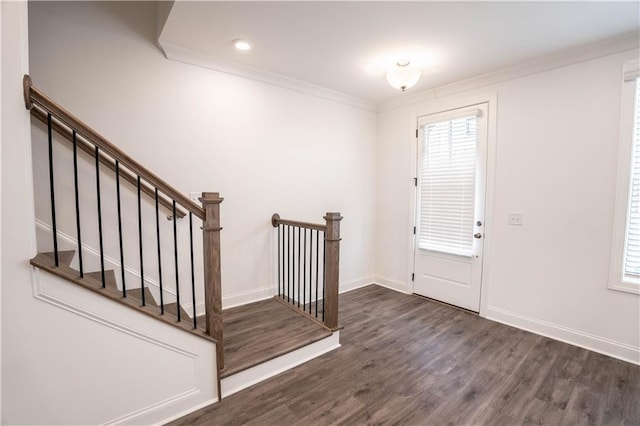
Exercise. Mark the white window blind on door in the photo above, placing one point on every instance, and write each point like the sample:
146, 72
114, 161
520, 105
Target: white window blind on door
632, 240
448, 184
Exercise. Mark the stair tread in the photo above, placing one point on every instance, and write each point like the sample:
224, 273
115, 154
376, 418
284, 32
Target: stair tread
65, 257
45, 262
171, 309
109, 278
136, 293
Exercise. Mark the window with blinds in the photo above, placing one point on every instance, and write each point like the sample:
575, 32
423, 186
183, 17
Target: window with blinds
632, 237
448, 184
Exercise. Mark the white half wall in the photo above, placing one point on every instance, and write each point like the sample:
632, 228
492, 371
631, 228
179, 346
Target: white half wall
266, 149
555, 162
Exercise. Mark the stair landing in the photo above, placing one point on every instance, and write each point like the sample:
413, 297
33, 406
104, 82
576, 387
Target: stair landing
261, 331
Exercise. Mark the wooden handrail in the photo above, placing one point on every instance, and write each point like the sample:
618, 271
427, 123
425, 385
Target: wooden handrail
33, 95
331, 272
124, 173
276, 220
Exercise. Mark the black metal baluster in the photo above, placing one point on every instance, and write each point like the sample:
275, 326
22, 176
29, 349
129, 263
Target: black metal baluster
144, 302
122, 271
304, 271
293, 266
283, 283
279, 261
75, 185
193, 277
310, 267
53, 195
159, 255
299, 267
175, 255
104, 282
288, 263
324, 269
317, 266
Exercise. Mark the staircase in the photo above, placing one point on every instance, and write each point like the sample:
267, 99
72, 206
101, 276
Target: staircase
262, 338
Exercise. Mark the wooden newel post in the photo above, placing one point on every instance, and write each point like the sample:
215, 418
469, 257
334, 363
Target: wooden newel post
332, 269
212, 275
26, 91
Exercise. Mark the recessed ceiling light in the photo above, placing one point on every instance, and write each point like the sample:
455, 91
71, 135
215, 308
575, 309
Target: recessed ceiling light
241, 44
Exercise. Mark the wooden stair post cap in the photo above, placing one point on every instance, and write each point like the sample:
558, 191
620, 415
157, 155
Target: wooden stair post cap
211, 198
333, 216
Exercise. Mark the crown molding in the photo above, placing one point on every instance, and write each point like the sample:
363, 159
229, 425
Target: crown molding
188, 56
583, 53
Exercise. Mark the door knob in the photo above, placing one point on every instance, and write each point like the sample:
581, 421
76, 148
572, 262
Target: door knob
477, 235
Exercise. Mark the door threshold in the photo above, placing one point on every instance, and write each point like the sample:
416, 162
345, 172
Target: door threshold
446, 304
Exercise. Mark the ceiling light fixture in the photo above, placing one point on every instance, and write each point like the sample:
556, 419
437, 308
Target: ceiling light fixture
241, 44
403, 76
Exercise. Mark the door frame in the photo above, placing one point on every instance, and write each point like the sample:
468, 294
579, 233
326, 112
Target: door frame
447, 104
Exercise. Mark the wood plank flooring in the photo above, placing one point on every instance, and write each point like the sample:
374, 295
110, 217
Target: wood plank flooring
257, 332
411, 361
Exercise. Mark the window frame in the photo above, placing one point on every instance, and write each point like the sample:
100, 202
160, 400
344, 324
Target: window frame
617, 279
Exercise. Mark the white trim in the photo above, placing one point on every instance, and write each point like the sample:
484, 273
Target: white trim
244, 297
188, 411
395, 285
347, 286
489, 196
470, 111
631, 70
187, 56
599, 49
568, 335
135, 415
616, 279
246, 378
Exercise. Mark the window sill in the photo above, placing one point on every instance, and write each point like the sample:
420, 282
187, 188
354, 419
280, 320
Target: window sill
625, 287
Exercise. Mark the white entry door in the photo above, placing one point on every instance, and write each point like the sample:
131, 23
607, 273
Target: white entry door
452, 153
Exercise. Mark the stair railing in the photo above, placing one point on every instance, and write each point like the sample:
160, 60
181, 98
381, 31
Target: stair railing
105, 153
308, 257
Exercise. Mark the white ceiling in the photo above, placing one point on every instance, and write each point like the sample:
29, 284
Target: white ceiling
347, 46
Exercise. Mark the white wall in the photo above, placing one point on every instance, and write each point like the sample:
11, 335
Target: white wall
265, 149
555, 162
68, 357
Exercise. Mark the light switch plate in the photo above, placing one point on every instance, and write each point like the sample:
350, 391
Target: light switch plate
515, 219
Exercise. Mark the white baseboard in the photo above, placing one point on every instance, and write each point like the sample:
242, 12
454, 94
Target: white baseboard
262, 293
346, 286
392, 284
261, 372
568, 335
189, 411
242, 298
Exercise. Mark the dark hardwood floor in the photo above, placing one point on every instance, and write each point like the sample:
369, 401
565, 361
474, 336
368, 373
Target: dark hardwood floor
411, 361
257, 332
